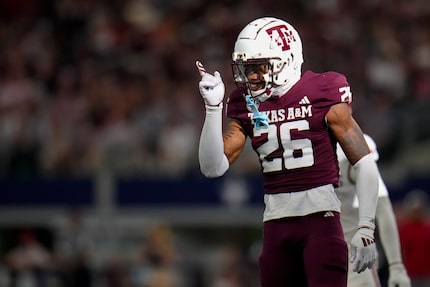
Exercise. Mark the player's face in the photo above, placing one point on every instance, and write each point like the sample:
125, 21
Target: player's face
255, 75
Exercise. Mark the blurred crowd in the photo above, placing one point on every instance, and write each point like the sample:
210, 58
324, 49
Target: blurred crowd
87, 85
81, 252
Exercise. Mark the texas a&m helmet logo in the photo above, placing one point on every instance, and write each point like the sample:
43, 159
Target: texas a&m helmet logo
281, 36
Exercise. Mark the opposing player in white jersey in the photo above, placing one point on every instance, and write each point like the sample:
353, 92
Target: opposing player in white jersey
385, 220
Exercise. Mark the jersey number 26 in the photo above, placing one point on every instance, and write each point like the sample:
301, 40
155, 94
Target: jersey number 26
291, 147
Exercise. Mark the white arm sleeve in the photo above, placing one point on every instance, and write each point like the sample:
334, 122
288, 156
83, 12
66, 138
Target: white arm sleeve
367, 174
387, 230
213, 162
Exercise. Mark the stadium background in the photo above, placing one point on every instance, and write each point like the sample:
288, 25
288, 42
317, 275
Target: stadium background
100, 117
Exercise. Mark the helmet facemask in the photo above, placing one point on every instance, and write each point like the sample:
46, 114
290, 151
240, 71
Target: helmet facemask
260, 77
255, 77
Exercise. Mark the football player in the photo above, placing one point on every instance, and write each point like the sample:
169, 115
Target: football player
385, 220
294, 122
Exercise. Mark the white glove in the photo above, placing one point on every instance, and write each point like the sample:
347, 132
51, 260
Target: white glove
398, 276
211, 87
363, 250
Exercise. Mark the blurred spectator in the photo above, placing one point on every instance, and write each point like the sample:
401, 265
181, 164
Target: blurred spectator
414, 231
29, 263
21, 106
232, 269
116, 273
163, 277
156, 262
74, 245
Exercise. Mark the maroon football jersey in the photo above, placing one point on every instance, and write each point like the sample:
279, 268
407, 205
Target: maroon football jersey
297, 151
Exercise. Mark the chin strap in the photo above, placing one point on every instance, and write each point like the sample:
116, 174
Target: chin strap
260, 119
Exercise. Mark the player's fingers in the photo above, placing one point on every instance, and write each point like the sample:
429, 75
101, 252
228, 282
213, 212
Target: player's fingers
353, 254
201, 69
356, 266
218, 76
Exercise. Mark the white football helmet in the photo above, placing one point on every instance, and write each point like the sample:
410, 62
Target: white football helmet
270, 46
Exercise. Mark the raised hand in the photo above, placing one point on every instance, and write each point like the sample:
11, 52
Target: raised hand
211, 87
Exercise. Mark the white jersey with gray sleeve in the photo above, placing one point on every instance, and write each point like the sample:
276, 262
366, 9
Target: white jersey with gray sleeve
346, 191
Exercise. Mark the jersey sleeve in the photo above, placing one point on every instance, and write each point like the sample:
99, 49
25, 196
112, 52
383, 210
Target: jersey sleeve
337, 88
